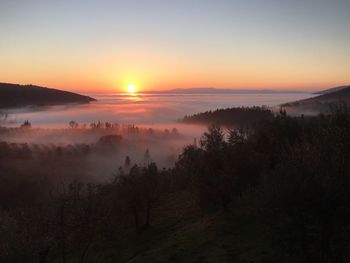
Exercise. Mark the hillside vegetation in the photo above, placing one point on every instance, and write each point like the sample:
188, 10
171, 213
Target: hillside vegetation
14, 95
278, 192
323, 103
326, 91
242, 116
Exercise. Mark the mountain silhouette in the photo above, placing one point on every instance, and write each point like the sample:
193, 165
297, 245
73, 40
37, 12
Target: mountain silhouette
15, 95
322, 103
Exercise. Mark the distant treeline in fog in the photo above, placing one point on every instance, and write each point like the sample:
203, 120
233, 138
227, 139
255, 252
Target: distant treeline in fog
278, 191
93, 150
82, 132
242, 116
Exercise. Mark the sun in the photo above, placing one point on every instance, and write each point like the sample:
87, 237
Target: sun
131, 88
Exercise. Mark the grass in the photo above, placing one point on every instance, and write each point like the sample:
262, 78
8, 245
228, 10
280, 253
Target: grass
181, 232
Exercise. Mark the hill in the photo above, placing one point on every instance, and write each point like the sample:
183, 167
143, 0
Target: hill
243, 116
322, 103
331, 90
277, 192
15, 95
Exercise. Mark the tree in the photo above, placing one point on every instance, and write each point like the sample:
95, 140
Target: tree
127, 163
147, 157
306, 195
26, 125
139, 190
73, 125
213, 140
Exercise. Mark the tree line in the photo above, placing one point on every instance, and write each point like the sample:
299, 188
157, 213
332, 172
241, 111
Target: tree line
239, 116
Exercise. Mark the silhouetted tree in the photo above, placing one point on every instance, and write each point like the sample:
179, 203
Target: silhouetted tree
139, 190
147, 157
26, 125
73, 124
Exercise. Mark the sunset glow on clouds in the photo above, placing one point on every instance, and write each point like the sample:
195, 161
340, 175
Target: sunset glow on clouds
155, 45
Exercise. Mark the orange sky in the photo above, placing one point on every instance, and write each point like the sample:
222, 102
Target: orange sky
157, 45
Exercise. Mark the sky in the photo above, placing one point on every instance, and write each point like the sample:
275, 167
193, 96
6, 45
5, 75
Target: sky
95, 45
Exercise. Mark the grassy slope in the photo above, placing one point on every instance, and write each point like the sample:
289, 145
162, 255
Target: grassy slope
181, 232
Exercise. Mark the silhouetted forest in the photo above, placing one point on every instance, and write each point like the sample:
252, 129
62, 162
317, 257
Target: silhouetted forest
275, 192
242, 116
14, 95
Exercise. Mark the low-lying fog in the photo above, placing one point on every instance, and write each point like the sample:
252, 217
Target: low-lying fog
95, 152
51, 146
139, 109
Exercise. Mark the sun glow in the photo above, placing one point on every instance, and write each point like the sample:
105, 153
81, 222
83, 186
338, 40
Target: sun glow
131, 88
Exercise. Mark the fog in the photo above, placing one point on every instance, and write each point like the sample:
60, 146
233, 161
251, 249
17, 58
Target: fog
93, 154
140, 109
145, 123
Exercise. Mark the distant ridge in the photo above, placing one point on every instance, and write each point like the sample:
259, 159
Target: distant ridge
226, 91
322, 103
331, 90
15, 95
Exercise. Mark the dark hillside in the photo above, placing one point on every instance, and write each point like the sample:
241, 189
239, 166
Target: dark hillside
275, 192
243, 116
14, 95
323, 103
326, 91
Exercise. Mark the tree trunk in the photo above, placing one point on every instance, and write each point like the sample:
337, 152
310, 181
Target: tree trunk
63, 234
43, 255
148, 212
85, 250
326, 253
136, 218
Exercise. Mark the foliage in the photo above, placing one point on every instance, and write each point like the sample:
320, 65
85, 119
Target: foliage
242, 116
278, 191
